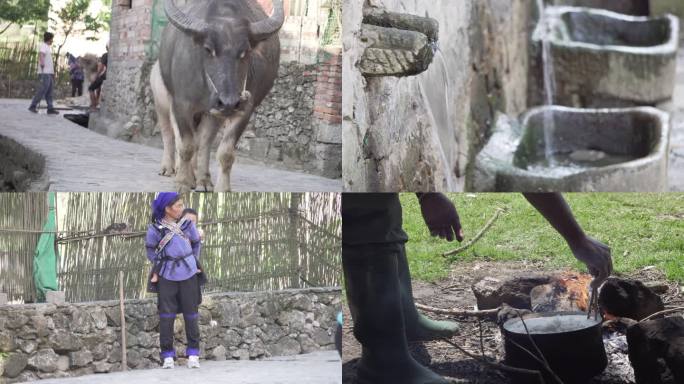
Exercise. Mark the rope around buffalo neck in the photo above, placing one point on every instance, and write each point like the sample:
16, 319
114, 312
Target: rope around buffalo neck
244, 83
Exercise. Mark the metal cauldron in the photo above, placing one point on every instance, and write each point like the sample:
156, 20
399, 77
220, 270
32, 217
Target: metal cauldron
571, 343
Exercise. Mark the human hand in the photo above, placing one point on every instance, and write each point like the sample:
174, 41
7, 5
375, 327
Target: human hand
596, 256
440, 216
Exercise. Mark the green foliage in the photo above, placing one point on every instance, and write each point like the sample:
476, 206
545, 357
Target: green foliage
73, 14
642, 229
20, 12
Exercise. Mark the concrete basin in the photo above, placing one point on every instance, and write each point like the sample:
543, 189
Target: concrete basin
618, 149
606, 59
628, 7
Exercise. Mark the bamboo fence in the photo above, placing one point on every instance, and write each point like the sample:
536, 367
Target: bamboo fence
252, 241
27, 211
19, 62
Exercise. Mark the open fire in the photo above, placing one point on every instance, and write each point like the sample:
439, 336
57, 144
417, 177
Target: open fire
647, 352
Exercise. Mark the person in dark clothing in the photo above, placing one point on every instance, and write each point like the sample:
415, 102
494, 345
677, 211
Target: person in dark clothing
77, 76
175, 247
95, 87
378, 281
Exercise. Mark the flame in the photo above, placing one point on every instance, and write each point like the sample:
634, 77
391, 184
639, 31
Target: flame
576, 288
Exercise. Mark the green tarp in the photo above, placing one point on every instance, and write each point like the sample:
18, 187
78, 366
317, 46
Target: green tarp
45, 259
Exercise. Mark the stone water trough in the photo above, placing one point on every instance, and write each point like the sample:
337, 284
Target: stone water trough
604, 59
619, 149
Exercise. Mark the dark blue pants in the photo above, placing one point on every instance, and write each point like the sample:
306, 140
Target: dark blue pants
44, 91
178, 297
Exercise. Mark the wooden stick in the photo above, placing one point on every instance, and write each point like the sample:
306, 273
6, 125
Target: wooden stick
477, 237
499, 366
459, 312
124, 362
676, 309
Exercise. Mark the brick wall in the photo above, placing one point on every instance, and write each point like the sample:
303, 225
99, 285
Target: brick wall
130, 30
328, 100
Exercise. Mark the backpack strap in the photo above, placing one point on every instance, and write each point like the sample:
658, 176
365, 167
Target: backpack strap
173, 229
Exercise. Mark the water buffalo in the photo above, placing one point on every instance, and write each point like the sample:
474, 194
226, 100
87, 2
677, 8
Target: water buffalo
218, 59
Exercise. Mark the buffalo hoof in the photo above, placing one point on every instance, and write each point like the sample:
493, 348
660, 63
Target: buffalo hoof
167, 171
205, 185
184, 187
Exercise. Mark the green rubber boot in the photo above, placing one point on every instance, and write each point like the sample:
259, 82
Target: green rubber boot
373, 295
418, 326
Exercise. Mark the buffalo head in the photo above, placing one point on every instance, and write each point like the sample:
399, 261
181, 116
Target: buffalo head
226, 46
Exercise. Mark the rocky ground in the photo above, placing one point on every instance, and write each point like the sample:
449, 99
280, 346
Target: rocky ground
455, 292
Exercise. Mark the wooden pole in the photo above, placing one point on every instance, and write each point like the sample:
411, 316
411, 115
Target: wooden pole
124, 363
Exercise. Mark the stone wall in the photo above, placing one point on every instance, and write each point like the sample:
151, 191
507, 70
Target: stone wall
47, 340
299, 122
422, 132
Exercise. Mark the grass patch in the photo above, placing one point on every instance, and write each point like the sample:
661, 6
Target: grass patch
642, 229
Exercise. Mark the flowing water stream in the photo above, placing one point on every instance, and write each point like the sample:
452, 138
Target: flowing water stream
441, 119
549, 85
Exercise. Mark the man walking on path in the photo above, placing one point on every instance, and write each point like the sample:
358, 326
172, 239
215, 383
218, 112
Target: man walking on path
46, 74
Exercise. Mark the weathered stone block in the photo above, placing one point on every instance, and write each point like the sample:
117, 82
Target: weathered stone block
44, 360
329, 133
492, 292
64, 341
80, 358
13, 364
286, 346
219, 353
102, 366
6, 342
55, 297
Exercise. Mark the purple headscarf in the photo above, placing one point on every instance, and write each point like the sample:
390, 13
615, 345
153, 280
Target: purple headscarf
163, 200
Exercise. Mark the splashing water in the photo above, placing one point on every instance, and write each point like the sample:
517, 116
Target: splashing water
549, 85
443, 121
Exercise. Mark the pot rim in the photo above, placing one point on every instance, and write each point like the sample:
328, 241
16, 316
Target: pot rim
508, 323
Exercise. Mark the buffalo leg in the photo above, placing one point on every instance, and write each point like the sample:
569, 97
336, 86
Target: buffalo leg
162, 106
182, 123
232, 131
206, 133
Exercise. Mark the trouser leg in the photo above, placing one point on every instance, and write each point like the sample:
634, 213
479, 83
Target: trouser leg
374, 297
48, 92
189, 301
168, 307
42, 89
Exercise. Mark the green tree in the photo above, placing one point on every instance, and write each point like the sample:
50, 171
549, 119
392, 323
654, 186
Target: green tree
73, 15
19, 12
